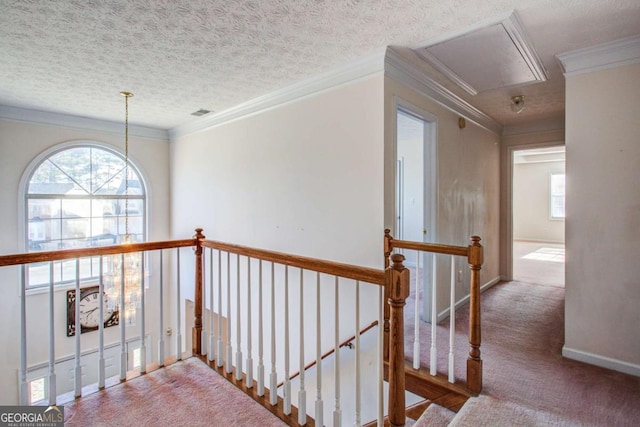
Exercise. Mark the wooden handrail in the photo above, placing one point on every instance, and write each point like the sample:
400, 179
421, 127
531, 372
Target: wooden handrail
31, 257
330, 352
431, 247
364, 274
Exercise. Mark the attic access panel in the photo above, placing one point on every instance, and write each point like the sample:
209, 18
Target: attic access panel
488, 58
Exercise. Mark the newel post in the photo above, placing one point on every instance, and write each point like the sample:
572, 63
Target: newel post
474, 361
196, 333
397, 283
388, 248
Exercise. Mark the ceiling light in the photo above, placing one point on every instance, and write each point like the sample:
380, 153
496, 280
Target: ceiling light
517, 103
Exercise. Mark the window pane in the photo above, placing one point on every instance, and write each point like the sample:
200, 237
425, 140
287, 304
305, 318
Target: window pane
49, 179
557, 199
76, 164
38, 274
37, 391
75, 228
108, 172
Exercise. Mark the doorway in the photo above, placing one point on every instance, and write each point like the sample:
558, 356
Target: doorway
415, 191
538, 215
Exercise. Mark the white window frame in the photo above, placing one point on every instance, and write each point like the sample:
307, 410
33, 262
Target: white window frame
553, 196
24, 195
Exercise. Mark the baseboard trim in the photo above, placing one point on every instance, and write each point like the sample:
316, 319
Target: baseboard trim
602, 361
445, 313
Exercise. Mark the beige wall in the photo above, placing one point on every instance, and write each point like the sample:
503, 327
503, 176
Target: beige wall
531, 195
468, 185
603, 217
303, 178
20, 143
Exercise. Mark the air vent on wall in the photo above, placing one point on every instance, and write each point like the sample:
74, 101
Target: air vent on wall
488, 58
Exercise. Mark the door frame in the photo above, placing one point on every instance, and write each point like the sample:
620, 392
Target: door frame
507, 242
430, 185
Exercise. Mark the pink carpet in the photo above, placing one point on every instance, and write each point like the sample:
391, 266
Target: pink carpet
524, 371
187, 393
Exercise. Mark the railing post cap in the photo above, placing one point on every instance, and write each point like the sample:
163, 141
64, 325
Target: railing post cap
475, 240
199, 234
397, 260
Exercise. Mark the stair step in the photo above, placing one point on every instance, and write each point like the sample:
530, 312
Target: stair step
435, 416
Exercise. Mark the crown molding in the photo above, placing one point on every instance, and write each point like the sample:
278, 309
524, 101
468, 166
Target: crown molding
600, 57
25, 115
361, 68
401, 70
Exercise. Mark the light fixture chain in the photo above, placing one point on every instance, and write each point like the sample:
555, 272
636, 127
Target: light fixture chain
126, 169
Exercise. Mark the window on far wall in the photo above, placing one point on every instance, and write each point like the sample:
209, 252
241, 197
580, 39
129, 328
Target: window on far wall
556, 196
77, 197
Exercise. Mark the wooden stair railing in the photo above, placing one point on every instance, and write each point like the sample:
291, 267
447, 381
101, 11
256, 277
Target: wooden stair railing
338, 270
395, 280
474, 255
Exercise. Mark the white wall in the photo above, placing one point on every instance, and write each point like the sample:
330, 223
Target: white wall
603, 217
468, 185
531, 195
20, 143
303, 178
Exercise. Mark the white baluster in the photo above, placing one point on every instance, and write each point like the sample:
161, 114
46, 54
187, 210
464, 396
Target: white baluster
121, 309
358, 391
101, 362
287, 381
416, 317
179, 322
52, 336
78, 367
260, 334
220, 358
238, 323
452, 319
302, 393
337, 413
228, 365
24, 392
249, 361
433, 368
143, 345
212, 337
161, 333
273, 376
319, 414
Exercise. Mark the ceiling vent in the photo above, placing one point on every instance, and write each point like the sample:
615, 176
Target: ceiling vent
200, 112
491, 57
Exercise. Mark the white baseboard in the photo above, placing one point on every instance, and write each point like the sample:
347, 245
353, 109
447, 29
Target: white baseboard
602, 361
445, 313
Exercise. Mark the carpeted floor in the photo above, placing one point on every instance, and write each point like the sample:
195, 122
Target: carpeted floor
525, 374
187, 393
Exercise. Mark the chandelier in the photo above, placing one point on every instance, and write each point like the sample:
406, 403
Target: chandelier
123, 273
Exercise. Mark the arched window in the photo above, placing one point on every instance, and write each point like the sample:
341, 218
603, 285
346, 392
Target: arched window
77, 197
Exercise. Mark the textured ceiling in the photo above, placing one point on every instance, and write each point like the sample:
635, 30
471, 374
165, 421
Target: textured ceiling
178, 56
